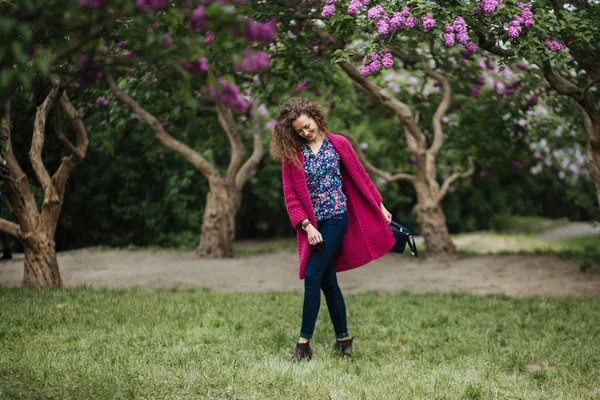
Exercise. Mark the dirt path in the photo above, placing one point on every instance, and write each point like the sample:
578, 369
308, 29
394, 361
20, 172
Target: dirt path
513, 275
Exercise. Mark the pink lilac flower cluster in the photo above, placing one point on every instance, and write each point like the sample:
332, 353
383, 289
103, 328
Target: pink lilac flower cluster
384, 58
328, 10
428, 21
92, 3
209, 37
253, 62
356, 5
260, 32
198, 20
376, 12
398, 20
101, 101
302, 86
554, 46
195, 67
458, 31
229, 94
487, 6
156, 5
525, 18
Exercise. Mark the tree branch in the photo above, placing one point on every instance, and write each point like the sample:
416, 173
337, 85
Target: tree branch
58, 130
10, 228
363, 159
20, 195
400, 108
258, 150
452, 178
69, 163
37, 141
199, 162
238, 149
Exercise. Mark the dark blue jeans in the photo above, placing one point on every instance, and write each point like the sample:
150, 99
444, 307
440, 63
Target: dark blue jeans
320, 275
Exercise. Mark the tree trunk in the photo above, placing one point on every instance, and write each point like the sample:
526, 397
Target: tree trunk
592, 158
218, 223
432, 222
429, 213
41, 266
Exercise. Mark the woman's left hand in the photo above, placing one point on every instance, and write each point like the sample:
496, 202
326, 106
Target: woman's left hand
386, 214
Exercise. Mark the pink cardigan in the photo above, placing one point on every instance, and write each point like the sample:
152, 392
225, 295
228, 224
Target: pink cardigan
368, 236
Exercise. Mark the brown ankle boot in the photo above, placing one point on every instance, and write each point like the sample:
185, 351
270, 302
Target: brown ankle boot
344, 346
303, 352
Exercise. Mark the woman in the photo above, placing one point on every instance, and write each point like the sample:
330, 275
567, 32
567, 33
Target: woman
340, 220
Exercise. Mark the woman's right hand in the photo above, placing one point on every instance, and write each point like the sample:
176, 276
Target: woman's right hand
314, 236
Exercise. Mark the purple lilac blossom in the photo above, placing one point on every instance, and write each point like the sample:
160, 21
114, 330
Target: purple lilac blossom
449, 39
195, 67
302, 86
198, 20
209, 37
428, 21
260, 32
253, 61
470, 48
383, 27
388, 62
554, 46
229, 94
411, 22
328, 11
146, 5
92, 3
397, 20
354, 7
376, 12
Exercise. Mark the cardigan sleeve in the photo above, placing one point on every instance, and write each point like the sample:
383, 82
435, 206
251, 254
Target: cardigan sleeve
362, 173
292, 201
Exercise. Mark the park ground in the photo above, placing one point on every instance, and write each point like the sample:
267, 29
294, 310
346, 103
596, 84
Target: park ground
523, 323
511, 264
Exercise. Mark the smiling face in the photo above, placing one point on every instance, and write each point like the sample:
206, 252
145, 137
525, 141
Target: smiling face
306, 128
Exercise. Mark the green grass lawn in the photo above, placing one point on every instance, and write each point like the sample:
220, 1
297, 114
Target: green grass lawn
141, 344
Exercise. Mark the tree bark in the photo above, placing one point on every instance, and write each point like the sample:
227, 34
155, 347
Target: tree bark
41, 266
218, 223
432, 222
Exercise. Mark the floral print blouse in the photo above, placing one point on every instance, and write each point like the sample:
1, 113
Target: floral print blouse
324, 180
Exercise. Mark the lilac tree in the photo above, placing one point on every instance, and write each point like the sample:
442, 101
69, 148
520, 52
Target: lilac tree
555, 38
202, 47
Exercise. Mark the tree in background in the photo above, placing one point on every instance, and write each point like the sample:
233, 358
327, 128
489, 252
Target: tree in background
86, 40
532, 31
34, 227
225, 194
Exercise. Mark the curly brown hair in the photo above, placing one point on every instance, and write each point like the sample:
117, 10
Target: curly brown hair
284, 141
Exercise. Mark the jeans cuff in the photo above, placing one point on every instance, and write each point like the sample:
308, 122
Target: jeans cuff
341, 335
305, 335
